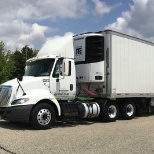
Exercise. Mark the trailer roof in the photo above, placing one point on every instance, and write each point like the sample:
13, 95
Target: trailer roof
117, 33
128, 36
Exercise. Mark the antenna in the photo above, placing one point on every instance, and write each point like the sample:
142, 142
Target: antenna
26, 52
26, 49
66, 28
65, 33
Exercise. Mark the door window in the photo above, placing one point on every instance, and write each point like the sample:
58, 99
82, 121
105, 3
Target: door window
58, 68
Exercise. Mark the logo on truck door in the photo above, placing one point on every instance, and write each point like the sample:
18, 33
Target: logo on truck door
62, 93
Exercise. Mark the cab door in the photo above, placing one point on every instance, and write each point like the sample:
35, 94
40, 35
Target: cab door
62, 87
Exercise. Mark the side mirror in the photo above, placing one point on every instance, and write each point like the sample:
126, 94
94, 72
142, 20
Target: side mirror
65, 67
20, 77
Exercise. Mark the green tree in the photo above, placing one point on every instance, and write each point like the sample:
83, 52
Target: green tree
27, 53
20, 57
35, 52
6, 64
19, 63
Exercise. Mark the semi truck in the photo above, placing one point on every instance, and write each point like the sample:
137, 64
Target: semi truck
104, 75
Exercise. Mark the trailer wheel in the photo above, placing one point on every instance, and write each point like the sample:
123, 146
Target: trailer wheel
42, 116
128, 111
111, 112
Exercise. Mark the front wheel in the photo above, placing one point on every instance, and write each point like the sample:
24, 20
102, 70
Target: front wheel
111, 112
42, 116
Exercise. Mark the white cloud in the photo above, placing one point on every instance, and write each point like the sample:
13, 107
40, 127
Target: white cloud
30, 9
69, 33
36, 34
16, 19
62, 8
58, 36
52, 9
17, 34
102, 8
139, 21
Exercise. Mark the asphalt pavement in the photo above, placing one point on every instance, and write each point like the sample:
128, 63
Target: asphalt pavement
86, 137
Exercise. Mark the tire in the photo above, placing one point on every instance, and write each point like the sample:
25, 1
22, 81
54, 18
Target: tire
128, 111
42, 116
111, 112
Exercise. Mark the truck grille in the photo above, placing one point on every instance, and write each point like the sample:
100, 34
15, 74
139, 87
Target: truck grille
5, 93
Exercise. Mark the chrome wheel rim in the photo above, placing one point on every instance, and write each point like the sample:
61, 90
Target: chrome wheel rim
112, 111
44, 117
130, 110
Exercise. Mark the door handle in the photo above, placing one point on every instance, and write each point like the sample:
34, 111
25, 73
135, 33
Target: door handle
71, 87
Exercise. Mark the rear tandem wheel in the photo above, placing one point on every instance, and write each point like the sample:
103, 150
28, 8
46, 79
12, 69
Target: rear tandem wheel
111, 112
128, 111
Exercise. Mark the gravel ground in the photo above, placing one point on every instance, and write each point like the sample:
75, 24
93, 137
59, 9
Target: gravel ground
87, 137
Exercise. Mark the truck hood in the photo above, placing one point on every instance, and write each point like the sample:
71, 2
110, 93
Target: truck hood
28, 83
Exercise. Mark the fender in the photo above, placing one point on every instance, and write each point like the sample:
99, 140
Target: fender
37, 95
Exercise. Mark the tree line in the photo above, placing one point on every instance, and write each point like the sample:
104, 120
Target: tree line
13, 64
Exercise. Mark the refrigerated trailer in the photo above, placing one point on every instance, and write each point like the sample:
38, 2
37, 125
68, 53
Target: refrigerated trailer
121, 65
103, 74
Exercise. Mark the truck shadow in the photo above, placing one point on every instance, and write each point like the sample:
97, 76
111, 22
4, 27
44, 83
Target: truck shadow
74, 123
15, 126
146, 114
27, 126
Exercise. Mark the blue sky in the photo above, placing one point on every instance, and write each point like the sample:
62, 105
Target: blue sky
89, 22
33, 22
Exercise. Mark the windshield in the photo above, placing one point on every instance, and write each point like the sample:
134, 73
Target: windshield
39, 67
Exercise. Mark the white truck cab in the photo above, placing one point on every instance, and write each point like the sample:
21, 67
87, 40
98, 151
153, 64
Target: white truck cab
49, 77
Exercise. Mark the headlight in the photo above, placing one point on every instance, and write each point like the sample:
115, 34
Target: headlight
20, 101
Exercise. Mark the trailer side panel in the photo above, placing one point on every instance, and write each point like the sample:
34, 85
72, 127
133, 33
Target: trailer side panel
132, 72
